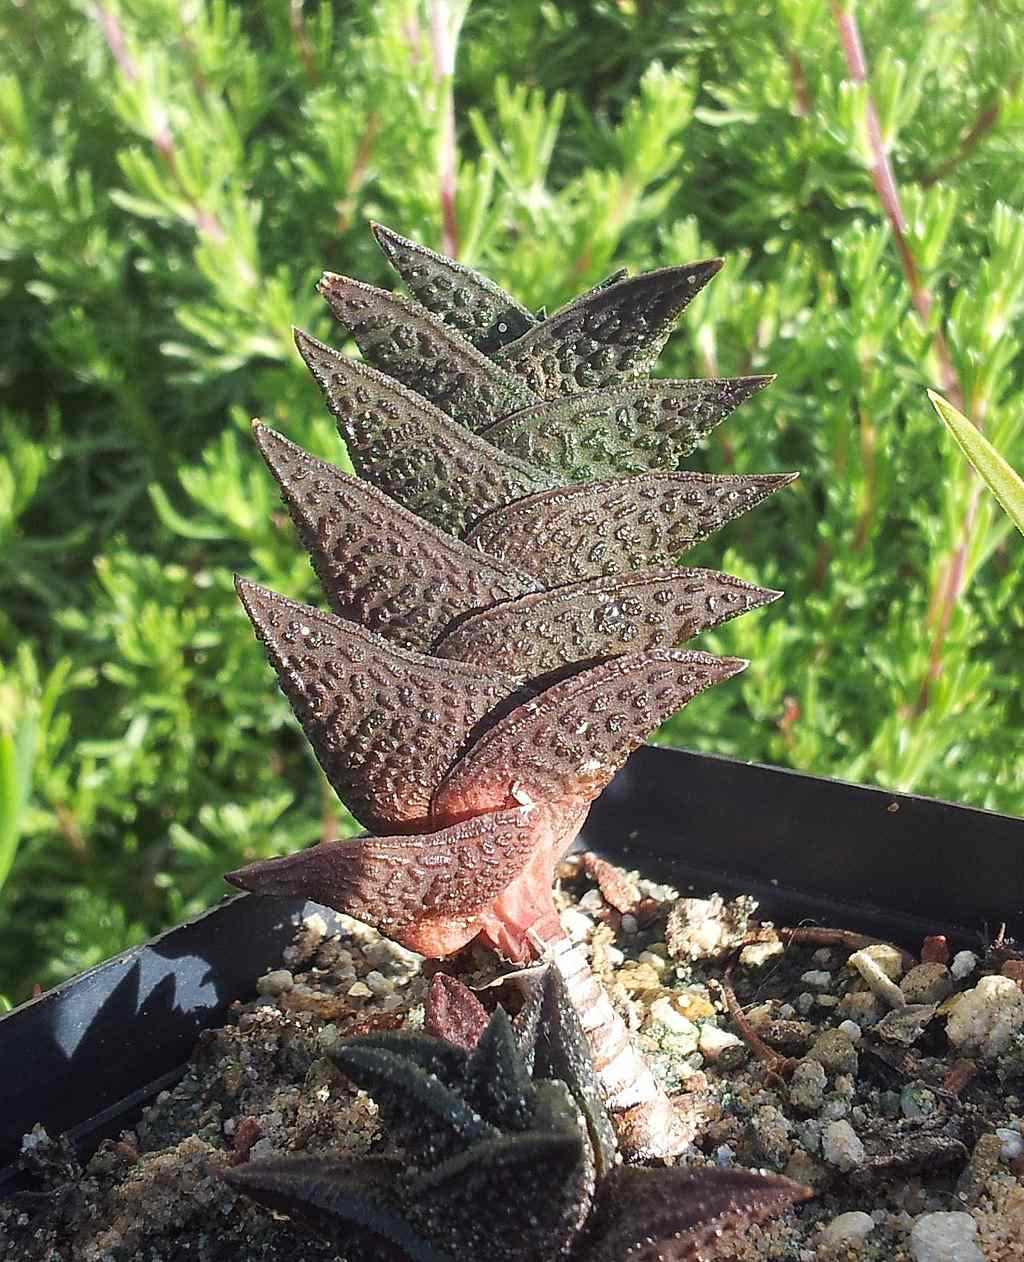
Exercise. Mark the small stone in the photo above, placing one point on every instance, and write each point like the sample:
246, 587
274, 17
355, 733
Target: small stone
707, 928
807, 1086
935, 950
818, 978
887, 958
629, 924
757, 954
945, 1237
719, 1046
983, 1163
916, 1102
1014, 970
359, 990
1012, 1143
834, 1108
804, 1002
665, 1011
835, 1052
822, 957
658, 962
927, 983
964, 964
378, 983
987, 1018
879, 972
852, 1030
770, 1136
592, 900
841, 1145
577, 926
849, 1229
905, 1025
638, 977
862, 1006
275, 982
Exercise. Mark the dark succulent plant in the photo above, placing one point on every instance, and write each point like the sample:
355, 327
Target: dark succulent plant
504, 1152
507, 607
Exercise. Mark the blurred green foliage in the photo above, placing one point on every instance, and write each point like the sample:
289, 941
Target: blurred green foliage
176, 173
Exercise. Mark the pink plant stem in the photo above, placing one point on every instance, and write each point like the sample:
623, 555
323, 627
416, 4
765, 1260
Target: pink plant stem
950, 583
444, 41
646, 1123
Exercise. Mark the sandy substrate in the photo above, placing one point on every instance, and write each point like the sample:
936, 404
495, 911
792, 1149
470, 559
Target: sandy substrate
892, 1087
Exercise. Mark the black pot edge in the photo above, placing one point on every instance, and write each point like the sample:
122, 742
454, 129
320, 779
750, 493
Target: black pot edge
892, 872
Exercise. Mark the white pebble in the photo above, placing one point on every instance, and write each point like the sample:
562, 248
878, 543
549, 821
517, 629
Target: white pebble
964, 964
592, 900
664, 1010
629, 924
378, 983
715, 1042
877, 978
987, 1018
841, 1146
852, 1228
945, 1238
852, 1030
614, 956
1012, 1143
578, 926
818, 978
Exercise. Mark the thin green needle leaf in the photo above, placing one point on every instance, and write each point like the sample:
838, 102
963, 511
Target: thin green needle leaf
1002, 480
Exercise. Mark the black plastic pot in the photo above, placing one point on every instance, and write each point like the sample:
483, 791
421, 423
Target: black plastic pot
85, 1056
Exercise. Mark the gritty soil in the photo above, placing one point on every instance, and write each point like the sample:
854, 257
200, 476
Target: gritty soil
892, 1084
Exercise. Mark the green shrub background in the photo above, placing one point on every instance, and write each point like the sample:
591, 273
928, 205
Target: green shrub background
176, 173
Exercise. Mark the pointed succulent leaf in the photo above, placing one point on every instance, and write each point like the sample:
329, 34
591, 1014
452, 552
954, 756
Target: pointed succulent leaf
563, 747
454, 1013
670, 1215
384, 723
412, 888
434, 1055
623, 524
401, 1087
620, 429
650, 609
379, 564
416, 348
607, 336
338, 1193
523, 1196
497, 1082
465, 299
412, 451
562, 1052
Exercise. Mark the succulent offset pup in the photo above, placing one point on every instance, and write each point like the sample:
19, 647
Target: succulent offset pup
506, 1152
505, 629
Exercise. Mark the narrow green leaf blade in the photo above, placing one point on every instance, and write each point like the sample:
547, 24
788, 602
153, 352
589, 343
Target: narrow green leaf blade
1003, 481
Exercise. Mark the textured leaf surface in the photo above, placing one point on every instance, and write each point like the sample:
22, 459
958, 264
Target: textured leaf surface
607, 336
410, 450
621, 429
416, 348
453, 1012
647, 1215
394, 882
564, 746
338, 1192
623, 524
379, 564
651, 609
384, 723
466, 299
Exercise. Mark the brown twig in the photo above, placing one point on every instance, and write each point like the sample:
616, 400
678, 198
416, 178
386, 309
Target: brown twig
779, 1067
846, 939
306, 51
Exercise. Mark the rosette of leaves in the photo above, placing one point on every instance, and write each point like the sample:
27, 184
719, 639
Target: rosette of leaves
501, 1149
